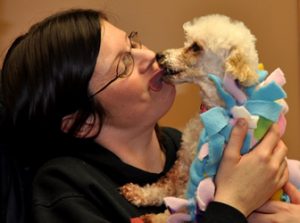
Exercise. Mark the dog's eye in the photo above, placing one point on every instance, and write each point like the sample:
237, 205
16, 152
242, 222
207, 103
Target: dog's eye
195, 48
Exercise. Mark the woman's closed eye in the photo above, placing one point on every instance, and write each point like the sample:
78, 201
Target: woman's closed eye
126, 65
135, 45
135, 42
126, 62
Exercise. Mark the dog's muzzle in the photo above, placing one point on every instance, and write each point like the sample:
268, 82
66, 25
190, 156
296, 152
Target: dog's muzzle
161, 60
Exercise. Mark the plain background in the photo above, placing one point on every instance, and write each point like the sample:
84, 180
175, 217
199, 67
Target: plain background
275, 23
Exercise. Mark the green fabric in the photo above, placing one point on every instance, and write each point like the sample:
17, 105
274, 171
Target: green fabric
263, 125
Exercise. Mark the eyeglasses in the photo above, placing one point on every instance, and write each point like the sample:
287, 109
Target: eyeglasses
125, 64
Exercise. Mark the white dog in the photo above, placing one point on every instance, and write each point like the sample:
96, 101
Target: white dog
219, 55
214, 44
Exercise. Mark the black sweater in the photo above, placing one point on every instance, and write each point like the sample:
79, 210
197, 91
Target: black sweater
84, 187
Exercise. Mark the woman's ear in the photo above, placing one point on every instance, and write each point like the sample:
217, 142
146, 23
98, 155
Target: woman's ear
88, 129
67, 122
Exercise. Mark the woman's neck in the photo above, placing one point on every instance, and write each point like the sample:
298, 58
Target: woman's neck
137, 147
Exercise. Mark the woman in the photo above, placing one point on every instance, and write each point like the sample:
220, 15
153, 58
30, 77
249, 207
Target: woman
87, 97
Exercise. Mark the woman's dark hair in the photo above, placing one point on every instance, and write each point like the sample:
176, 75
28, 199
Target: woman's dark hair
46, 73
45, 76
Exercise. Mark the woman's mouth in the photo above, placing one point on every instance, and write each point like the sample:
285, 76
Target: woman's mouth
156, 82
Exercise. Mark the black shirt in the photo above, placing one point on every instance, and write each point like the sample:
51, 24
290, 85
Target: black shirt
84, 187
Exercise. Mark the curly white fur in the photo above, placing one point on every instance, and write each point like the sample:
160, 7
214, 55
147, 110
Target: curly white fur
220, 34
214, 44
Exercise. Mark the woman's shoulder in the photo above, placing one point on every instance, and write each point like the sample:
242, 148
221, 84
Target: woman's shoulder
67, 164
71, 188
66, 169
62, 177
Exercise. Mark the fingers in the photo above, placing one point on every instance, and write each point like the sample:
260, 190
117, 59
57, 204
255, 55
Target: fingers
282, 175
279, 163
280, 152
258, 217
236, 140
272, 152
293, 193
272, 207
270, 140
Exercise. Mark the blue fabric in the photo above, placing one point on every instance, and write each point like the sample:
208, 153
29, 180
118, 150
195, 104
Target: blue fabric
217, 126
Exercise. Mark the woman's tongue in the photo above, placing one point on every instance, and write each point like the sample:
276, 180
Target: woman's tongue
156, 83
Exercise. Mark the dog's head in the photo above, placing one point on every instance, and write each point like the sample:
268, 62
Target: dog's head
217, 45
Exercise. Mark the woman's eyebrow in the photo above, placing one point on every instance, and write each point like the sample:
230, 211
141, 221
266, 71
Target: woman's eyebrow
127, 38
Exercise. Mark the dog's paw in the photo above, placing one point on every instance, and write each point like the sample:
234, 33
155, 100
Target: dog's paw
156, 218
133, 193
148, 195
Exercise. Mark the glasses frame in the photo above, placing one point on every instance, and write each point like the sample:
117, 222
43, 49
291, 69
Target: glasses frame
134, 43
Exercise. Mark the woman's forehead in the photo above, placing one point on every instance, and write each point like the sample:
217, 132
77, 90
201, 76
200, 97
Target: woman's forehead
112, 36
112, 43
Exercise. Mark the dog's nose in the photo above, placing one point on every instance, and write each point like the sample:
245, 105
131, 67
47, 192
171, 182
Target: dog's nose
160, 57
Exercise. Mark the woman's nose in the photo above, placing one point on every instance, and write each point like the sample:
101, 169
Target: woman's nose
144, 58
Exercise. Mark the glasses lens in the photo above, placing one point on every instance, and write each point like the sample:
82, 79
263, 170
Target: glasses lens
125, 65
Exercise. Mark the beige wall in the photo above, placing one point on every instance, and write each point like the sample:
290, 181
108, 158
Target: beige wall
274, 22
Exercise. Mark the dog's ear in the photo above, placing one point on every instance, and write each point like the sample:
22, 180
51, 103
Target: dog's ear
237, 66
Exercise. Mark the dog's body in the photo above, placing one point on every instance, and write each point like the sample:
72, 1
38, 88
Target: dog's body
217, 51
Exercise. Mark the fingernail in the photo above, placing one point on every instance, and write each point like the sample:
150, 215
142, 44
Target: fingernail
241, 122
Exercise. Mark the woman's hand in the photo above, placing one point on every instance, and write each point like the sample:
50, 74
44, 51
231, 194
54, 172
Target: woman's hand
293, 193
279, 212
247, 182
